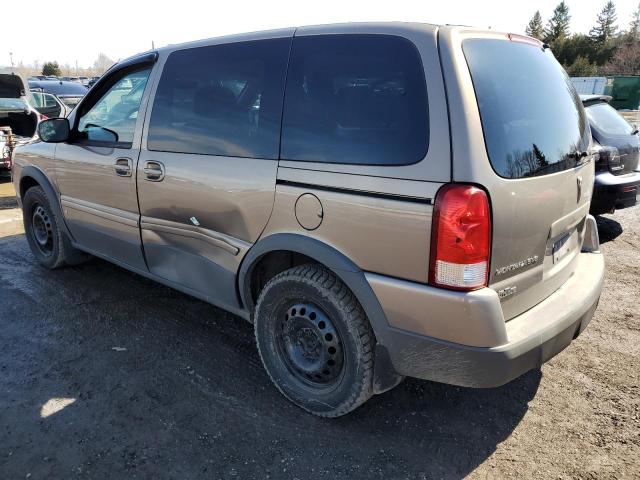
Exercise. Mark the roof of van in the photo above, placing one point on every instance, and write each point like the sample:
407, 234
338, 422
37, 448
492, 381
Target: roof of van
332, 28
365, 27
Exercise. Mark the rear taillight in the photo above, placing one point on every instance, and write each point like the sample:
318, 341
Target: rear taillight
610, 157
460, 238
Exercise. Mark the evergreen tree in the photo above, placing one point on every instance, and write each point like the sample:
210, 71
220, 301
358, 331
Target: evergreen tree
558, 25
605, 28
535, 28
51, 68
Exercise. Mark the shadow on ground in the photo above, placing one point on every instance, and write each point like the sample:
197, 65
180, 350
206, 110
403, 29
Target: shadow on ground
608, 229
165, 386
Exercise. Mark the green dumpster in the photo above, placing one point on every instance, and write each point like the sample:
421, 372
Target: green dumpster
625, 91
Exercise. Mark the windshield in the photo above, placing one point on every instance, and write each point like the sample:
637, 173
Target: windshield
605, 119
13, 104
532, 118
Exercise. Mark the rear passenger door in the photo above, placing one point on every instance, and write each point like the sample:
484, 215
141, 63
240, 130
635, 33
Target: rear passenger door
207, 170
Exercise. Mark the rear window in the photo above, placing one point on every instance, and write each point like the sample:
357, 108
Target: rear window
605, 119
532, 118
355, 99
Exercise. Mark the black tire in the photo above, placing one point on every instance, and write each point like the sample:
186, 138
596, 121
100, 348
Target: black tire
48, 243
315, 341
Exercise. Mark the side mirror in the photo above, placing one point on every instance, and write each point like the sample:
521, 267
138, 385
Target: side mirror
54, 130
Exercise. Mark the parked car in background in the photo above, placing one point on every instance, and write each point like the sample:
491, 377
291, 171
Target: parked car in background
305, 180
69, 92
49, 105
617, 146
18, 118
43, 77
92, 81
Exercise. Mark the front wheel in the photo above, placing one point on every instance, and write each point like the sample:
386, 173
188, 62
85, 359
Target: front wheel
315, 341
48, 243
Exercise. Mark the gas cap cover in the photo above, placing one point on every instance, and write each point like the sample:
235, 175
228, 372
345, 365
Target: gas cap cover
309, 212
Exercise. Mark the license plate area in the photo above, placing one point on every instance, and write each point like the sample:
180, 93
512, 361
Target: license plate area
562, 247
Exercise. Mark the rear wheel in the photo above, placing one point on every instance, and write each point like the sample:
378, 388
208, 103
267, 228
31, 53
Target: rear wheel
48, 243
315, 341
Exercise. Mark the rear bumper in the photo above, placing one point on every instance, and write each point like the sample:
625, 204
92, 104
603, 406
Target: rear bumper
528, 340
614, 191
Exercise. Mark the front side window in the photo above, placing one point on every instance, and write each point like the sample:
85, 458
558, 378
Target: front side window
221, 100
605, 119
112, 119
355, 99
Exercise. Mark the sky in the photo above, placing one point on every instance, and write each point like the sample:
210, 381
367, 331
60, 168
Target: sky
80, 30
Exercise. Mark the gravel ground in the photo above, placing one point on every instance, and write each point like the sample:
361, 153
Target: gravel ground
105, 374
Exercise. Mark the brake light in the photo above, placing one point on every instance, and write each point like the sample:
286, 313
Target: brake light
514, 37
460, 238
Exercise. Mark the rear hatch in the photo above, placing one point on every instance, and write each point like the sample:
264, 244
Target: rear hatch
536, 142
15, 111
11, 86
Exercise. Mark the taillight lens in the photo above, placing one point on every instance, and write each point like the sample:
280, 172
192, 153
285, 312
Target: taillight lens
609, 157
460, 238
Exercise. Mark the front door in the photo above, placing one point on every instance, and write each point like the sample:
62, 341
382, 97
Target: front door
95, 171
206, 176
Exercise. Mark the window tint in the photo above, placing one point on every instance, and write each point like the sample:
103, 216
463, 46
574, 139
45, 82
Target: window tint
112, 119
532, 117
221, 100
605, 119
357, 99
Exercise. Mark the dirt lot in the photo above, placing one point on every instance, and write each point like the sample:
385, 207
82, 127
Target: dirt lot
104, 374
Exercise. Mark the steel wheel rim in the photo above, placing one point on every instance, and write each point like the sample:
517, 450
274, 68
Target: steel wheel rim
42, 230
310, 345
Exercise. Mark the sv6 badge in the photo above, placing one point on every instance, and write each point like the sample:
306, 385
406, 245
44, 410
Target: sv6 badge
505, 292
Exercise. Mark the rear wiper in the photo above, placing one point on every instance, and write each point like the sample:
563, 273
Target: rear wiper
636, 131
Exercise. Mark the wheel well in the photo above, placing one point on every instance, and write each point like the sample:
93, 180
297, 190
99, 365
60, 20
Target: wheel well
26, 183
270, 265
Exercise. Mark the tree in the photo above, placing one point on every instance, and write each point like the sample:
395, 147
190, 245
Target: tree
535, 28
558, 25
626, 61
634, 25
51, 68
102, 63
582, 67
569, 49
605, 27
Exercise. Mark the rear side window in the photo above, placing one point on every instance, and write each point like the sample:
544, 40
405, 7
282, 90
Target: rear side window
221, 100
532, 117
355, 99
605, 119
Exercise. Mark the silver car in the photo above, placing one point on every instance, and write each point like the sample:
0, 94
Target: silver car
380, 200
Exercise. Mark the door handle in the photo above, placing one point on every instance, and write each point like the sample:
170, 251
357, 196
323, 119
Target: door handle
153, 171
123, 167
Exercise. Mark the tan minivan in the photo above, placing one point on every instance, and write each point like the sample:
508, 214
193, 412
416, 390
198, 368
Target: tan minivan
380, 200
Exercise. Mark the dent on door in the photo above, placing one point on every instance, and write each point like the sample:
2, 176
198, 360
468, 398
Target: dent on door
199, 216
